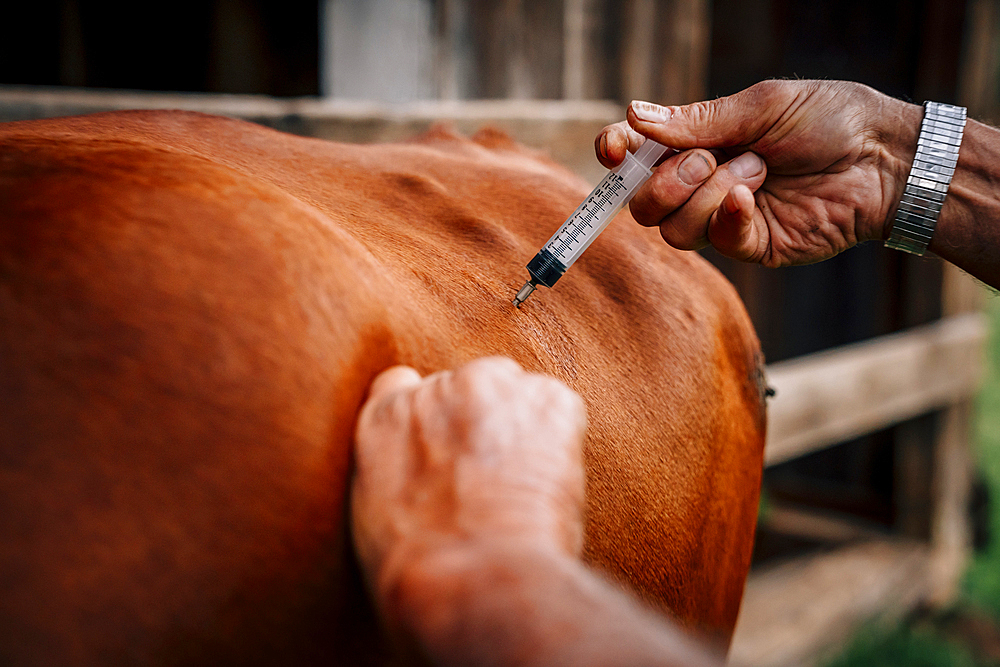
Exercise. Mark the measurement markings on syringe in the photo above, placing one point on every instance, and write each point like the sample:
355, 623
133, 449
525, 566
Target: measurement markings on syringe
590, 218
601, 199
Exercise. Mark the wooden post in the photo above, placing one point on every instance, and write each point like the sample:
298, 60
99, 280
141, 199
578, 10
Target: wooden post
978, 84
685, 32
377, 50
72, 51
574, 49
448, 48
499, 53
639, 54
951, 530
913, 476
951, 534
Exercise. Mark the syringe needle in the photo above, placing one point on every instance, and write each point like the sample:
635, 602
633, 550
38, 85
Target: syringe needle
523, 293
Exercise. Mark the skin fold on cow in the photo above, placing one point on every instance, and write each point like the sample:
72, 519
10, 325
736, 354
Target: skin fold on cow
192, 310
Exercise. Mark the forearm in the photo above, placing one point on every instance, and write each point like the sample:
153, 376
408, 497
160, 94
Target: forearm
968, 229
519, 606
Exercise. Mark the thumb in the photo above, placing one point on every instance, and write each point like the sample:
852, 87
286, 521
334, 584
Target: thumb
737, 120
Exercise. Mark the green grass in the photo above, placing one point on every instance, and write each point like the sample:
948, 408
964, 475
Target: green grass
925, 641
982, 580
904, 646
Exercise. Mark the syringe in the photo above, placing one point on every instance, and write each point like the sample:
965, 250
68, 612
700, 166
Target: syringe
590, 219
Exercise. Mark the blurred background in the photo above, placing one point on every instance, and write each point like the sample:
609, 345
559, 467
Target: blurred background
880, 466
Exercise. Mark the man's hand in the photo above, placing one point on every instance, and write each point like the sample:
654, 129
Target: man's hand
486, 454
467, 520
835, 160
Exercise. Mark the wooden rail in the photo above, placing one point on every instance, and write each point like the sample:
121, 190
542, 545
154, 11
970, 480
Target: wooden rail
836, 395
793, 611
798, 610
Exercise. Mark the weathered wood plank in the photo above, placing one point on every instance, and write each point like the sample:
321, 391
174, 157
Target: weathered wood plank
793, 611
839, 394
684, 60
584, 52
979, 84
819, 525
915, 442
951, 534
378, 50
640, 52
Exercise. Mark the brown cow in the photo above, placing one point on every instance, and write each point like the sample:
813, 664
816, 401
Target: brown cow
191, 310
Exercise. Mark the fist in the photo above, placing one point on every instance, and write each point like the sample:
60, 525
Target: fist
486, 454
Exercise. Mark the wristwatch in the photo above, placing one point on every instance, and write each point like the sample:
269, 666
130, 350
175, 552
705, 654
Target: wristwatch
927, 185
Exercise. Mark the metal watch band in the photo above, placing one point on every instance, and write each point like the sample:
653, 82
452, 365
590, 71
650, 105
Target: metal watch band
927, 185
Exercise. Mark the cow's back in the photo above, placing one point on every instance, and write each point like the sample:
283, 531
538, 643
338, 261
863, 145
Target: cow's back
191, 309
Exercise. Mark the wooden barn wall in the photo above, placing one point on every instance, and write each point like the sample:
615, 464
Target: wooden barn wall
516, 49
232, 46
382, 50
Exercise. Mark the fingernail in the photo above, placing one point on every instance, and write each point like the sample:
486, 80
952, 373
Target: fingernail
604, 146
649, 112
694, 169
747, 165
729, 205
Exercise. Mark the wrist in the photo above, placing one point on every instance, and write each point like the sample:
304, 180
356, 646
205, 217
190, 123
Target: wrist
520, 604
898, 145
429, 593
930, 177
967, 231
416, 572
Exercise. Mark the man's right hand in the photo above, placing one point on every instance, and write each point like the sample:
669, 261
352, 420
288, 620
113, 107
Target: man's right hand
835, 160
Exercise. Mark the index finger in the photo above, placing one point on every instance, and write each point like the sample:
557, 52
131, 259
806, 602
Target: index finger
612, 142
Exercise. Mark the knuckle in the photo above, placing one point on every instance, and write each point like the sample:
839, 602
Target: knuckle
660, 196
770, 91
680, 237
764, 90
484, 381
554, 390
576, 407
766, 95
702, 113
644, 210
633, 139
663, 188
490, 367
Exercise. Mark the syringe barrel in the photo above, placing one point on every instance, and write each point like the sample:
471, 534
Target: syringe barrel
590, 218
601, 206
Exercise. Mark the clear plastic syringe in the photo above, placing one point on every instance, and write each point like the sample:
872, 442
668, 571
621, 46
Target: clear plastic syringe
589, 220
